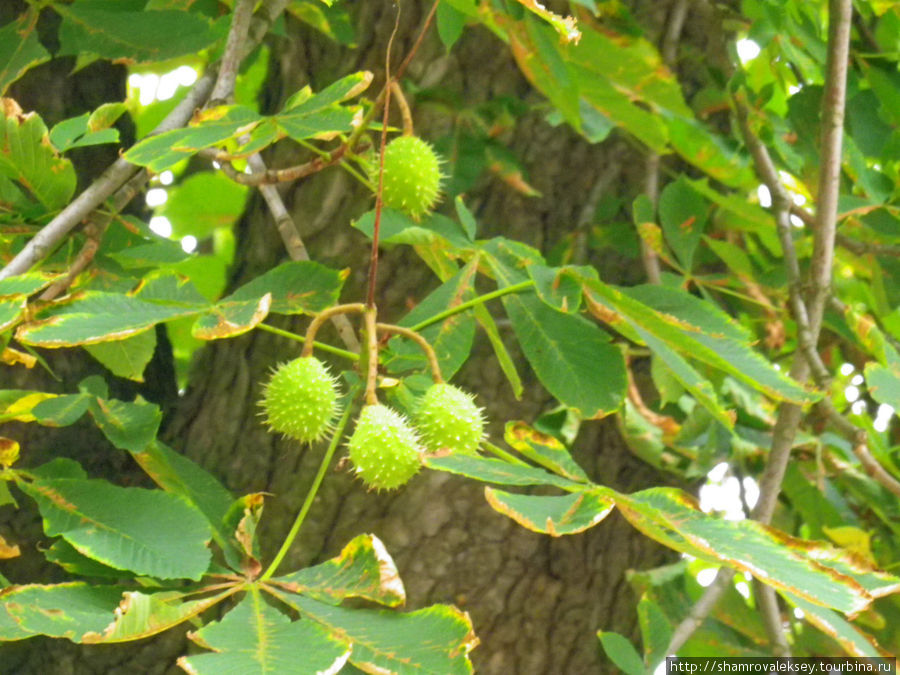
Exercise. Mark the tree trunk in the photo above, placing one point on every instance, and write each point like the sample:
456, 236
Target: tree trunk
536, 601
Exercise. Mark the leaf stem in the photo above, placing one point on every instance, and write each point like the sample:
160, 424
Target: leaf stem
313, 489
503, 454
468, 304
337, 351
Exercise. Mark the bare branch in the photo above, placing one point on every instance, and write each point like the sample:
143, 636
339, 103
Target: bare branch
120, 171
94, 230
234, 51
109, 181
669, 52
840, 13
701, 609
294, 245
867, 248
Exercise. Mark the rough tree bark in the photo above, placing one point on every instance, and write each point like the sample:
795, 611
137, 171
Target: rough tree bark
536, 602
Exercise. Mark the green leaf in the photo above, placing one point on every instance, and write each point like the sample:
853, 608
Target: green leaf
853, 641
435, 640
507, 365
398, 228
136, 36
228, 318
256, 639
792, 565
339, 91
572, 357
555, 516
126, 358
128, 426
364, 569
560, 287
29, 158
202, 203
717, 349
239, 526
682, 214
141, 615
20, 48
332, 20
544, 450
26, 284
621, 652
62, 610
491, 470
61, 411
212, 126
883, 383
148, 532
450, 24
177, 474
298, 287
65, 555
87, 129
99, 316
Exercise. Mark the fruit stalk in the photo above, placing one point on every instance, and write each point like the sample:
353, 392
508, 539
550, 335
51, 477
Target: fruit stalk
419, 340
372, 349
313, 490
322, 317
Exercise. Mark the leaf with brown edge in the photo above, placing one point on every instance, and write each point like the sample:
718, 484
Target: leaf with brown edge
553, 515
364, 569
8, 551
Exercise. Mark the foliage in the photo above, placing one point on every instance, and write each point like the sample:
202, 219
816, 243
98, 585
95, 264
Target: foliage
722, 345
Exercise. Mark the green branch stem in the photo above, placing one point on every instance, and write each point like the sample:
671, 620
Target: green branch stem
337, 351
480, 300
313, 489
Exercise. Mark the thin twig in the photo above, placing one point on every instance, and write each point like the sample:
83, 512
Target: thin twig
867, 247
669, 53
266, 176
94, 230
701, 609
223, 91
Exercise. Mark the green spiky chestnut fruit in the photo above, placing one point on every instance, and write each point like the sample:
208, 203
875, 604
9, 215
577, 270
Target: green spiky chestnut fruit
384, 449
301, 399
412, 176
447, 418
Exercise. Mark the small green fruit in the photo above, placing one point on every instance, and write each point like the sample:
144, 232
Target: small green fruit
448, 418
412, 176
300, 400
384, 448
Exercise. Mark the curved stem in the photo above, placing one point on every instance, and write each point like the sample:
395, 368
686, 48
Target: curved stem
313, 489
419, 340
321, 318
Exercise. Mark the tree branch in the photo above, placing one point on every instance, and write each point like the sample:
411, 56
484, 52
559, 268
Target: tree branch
121, 171
223, 91
108, 182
